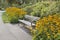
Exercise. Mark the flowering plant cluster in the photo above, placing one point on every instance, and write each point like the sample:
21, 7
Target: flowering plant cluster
14, 13
48, 28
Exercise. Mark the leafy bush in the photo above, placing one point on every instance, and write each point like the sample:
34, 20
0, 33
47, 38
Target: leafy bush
14, 14
14, 20
43, 8
48, 28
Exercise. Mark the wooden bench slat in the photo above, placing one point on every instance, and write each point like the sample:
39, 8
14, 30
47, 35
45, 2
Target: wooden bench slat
29, 21
26, 22
31, 18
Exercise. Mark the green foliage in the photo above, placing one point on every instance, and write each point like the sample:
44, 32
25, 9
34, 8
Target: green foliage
14, 20
43, 8
5, 18
12, 14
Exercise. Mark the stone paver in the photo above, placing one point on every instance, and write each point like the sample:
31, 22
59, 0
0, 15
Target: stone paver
12, 32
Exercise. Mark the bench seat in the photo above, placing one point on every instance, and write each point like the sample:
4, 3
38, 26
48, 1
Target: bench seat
27, 23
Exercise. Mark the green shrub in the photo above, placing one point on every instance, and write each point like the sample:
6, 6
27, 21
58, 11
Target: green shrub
13, 14
14, 20
43, 8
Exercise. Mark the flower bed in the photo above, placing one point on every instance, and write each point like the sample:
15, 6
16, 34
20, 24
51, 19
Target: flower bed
48, 28
13, 14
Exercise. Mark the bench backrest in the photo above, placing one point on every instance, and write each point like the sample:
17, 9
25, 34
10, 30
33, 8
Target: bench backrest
31, 18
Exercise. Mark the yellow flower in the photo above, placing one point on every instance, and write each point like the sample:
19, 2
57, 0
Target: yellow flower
57, 23
48, 37
55, 36
58, 31
13, 11
53, 33
45, 29
50, 18
52, 28
49, 25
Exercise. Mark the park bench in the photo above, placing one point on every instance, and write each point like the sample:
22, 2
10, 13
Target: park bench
29, 21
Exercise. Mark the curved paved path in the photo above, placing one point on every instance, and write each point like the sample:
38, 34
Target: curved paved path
12, 32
